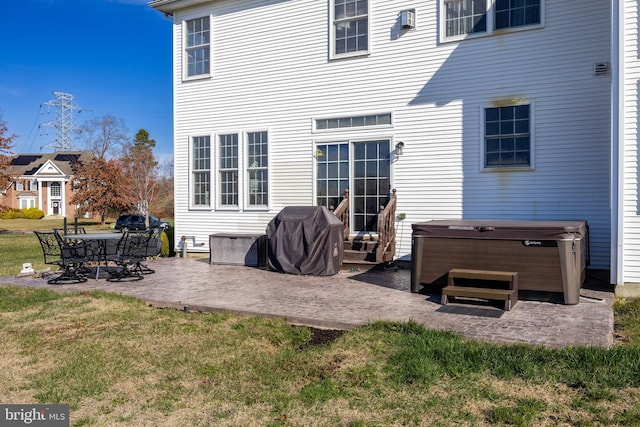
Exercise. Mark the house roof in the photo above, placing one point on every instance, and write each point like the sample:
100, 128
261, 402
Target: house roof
29, 164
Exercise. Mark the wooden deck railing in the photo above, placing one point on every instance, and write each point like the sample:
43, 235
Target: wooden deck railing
387, 230
342, 212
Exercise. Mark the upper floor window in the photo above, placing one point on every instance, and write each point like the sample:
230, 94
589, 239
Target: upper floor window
201, 171
516, 13
465, 16
258, 168
350, 27
480, 17
55, 189
19, 186
197, 52
507, 136
228, 169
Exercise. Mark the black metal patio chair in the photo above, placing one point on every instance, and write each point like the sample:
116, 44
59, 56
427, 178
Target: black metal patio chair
131, 252
154, 246
69, 256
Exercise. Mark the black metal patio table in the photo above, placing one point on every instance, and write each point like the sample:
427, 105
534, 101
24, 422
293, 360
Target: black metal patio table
102, 243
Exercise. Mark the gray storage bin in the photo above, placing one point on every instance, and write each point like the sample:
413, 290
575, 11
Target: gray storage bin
238, 249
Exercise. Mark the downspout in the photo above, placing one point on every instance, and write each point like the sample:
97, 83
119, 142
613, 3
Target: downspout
617, 144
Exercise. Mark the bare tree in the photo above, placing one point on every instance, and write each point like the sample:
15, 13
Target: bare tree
5, 154
163, 202
140, 167
104, 136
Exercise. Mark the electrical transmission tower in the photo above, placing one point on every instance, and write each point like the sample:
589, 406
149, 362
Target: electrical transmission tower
63, 123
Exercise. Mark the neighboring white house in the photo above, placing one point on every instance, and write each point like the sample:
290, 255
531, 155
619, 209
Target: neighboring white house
502, 110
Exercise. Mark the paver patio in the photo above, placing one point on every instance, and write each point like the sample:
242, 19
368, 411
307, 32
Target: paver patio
353, 298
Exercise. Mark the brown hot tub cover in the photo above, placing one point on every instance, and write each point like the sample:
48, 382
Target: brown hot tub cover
305, 240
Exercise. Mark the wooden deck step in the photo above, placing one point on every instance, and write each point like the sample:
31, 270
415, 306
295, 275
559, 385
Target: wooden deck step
509, 295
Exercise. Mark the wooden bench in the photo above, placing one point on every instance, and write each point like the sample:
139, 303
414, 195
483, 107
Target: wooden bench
509, 295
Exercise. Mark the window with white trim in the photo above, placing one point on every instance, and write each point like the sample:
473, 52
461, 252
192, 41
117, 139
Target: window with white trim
258, 168
197, 47
228, 170
27, 202
55, 189
465, 17
350, 32
201, 171
517, 13
19, 186
507, 136
353, 121
462, 18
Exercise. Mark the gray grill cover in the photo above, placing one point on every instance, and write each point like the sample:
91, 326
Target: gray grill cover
305, 240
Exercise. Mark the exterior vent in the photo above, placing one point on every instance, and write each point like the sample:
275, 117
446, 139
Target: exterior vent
601, 69
408, 19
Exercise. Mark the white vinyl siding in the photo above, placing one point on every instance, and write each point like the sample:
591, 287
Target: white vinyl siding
629, 141
283, 81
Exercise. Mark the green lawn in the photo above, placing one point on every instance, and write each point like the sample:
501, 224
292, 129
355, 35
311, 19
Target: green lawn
118, 362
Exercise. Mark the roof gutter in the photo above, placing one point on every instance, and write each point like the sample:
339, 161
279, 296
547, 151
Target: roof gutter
168, 7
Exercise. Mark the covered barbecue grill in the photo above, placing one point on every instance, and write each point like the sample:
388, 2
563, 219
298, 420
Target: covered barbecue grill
305, 240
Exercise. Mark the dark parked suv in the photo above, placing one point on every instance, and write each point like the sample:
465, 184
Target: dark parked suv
136, 222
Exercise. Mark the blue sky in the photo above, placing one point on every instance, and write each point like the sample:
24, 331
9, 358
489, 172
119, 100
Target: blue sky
114, 56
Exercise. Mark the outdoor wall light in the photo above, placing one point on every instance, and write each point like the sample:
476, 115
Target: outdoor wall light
399, 148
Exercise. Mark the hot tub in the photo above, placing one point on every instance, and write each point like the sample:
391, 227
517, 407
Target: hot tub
549, 256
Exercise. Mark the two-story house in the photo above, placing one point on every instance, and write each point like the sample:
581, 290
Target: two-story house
42, 181
473, 109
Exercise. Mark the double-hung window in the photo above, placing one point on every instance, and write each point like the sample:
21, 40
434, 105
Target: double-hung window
228, 170
27, 202
507, 137
201, 171
517, 13
462, 18
350, 27
465, 17
197, 52
258, 168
